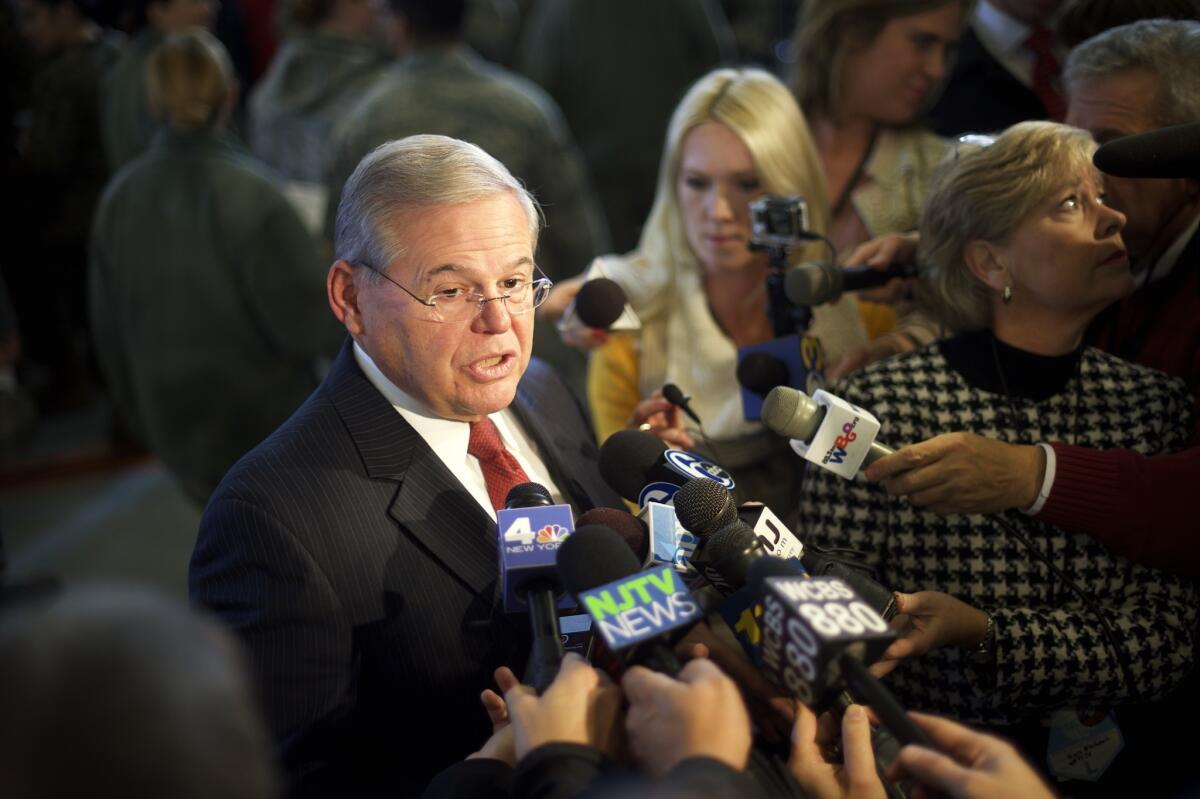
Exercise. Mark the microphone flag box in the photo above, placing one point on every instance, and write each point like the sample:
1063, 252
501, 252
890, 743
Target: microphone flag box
775, 535
529, 541
691, 466
807, 624
670, 543
844, 438
639, 607
805, 363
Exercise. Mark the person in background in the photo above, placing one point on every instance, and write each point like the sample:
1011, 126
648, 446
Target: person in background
701, 292
205, 286
1019, 253
332, 53
1129, 80
441, 86
619, 113
58, 174
1080, 20
1008, 69
126, 123
116, 691
864, 72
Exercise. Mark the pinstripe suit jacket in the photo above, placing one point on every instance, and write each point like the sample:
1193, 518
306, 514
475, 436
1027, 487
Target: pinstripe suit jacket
363, 578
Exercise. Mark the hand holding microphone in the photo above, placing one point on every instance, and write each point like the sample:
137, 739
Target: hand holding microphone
658, 415
929, 620
581, 706
963, 473
700, 714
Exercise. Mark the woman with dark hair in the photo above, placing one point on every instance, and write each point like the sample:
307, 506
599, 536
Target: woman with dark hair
865, 71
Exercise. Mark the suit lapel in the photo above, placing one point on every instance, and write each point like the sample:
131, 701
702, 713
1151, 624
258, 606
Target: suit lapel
430, 503
562, 450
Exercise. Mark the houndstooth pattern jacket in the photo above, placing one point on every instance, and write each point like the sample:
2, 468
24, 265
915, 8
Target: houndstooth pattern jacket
1050, 650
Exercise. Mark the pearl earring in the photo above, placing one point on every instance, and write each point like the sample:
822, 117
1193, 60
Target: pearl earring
1006, 295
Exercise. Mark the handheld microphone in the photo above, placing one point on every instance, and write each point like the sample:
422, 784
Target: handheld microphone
818, 635
760, 372
531, 531
1172, 152
821, 282
825, 430
600, 302
730, 546
673, 395
640, 467
636, 612
632, 530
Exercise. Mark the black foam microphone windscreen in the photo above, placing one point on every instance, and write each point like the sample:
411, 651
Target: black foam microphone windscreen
1172, 152
600, 302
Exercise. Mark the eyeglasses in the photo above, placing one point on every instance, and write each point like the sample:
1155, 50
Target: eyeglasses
971, 143
458, 305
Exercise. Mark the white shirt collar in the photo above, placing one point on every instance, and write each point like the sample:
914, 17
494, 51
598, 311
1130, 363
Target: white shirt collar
1000, 33
449, 438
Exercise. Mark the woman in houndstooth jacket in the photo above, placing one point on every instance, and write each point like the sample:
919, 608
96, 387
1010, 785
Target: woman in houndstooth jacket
1015, 620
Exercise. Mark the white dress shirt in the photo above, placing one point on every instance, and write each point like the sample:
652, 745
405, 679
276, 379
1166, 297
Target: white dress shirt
449, 438
1004, 38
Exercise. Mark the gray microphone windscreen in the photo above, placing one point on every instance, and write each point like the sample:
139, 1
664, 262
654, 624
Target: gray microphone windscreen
813, 283
792, 413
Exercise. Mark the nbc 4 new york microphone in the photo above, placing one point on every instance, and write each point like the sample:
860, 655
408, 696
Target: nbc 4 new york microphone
531, 529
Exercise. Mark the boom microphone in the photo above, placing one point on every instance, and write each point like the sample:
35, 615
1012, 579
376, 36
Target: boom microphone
820, 282
1172, 152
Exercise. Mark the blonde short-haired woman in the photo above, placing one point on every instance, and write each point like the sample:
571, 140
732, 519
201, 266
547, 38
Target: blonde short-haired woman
1013, 619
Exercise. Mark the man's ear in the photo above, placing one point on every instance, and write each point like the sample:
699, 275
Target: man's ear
342, 289
983, 259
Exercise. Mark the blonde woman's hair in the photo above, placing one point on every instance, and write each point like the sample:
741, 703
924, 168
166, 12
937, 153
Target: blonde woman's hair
190, 80
984, 191
763, 114
828, 30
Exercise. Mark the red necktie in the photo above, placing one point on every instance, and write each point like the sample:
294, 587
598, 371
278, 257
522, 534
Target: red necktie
501, 471
1046, 70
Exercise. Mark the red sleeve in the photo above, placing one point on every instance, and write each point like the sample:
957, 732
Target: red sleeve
1139, 506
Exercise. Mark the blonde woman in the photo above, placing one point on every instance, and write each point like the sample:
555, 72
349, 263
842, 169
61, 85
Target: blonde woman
207, 294
701, 292
1019, 254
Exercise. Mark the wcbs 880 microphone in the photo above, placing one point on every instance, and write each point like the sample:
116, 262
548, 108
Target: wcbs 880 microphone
818, 635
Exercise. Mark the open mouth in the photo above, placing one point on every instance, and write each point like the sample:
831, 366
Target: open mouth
493, 367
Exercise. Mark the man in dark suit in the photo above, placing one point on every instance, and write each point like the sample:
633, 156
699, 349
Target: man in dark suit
1006, 71
355, 549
